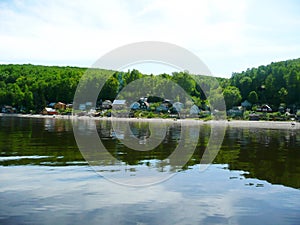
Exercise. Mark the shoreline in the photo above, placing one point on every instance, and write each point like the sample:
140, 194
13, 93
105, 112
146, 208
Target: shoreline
294, 125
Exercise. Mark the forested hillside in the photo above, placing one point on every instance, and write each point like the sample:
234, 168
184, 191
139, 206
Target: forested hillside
31, 87
273, 84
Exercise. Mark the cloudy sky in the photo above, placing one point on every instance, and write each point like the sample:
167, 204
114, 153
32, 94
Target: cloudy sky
229, 36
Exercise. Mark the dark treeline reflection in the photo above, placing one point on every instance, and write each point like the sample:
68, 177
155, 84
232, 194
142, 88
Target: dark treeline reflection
266, 154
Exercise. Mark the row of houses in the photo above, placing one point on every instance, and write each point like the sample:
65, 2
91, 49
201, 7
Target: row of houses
238, 111
165, 106
54, 107
246, 105
264, 112
8, 109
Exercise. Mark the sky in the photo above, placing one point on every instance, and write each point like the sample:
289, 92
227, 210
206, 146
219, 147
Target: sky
228, 36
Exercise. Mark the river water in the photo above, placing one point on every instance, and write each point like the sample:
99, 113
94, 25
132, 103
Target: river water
44, 178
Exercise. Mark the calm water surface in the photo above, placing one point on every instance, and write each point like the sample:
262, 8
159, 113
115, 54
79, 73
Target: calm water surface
255, 178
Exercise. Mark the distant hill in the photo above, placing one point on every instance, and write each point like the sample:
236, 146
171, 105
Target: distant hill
32, 87
276, 83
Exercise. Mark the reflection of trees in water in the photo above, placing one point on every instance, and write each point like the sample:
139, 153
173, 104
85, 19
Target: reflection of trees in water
141, 131
38, 142
104, 129
267, 154
157, 157
57, 125
259, 135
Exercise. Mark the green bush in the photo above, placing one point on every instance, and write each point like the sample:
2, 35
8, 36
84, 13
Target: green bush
107, 113
207, 118
204, 114
150, 115
246, 115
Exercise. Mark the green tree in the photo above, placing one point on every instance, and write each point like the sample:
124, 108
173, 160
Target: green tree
292, 80
110, 89
216, 99
232, 96
245, 86
283, 92
185, 81
253, 97
131, 76
15, 93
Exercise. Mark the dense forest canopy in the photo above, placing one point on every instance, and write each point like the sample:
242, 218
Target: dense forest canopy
32, 87
274, 84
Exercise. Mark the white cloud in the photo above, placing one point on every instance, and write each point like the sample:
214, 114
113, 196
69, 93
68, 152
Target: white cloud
78, 32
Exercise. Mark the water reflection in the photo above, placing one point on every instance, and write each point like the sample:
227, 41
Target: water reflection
75, 195
45, 180
271, 155
57, 125
27, 138
266, 154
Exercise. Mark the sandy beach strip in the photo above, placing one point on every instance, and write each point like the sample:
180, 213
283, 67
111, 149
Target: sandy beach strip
189, 122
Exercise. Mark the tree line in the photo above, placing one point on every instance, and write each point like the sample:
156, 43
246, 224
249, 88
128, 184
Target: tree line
274, 84
31, 87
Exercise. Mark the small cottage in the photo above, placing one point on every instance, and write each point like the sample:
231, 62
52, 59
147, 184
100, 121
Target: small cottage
254, 117
8, 109
143, 103
246, 104
178, 106
135, 106
60, 106
49, 111
119, 104
194, 110
264, 108
106, 104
